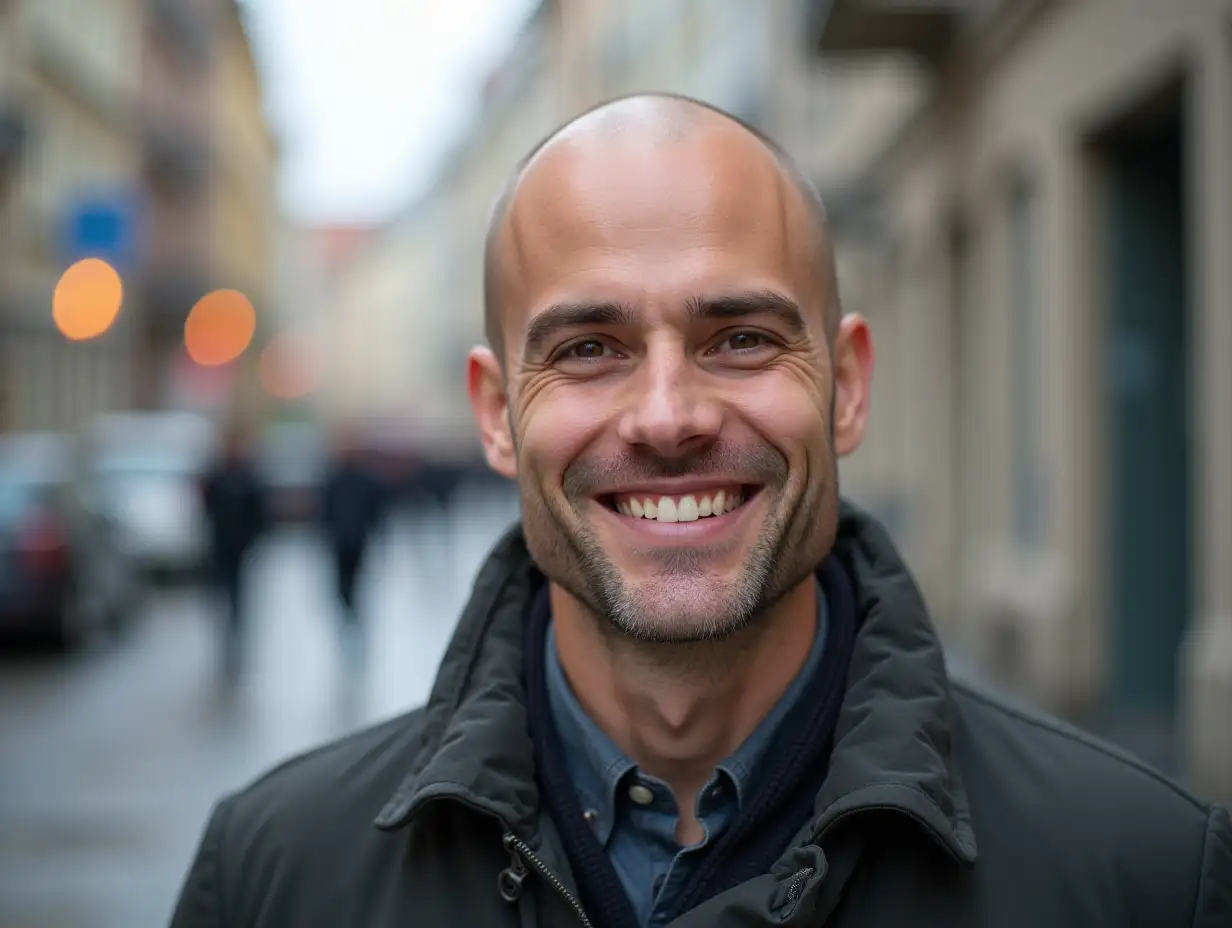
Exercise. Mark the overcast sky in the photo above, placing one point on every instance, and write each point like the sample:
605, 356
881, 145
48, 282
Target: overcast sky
366, 94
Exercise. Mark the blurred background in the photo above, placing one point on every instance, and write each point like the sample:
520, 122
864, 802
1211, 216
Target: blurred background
240, 270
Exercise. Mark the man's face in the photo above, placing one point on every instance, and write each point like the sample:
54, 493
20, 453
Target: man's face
669, 388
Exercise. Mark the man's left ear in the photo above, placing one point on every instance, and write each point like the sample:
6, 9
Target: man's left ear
853, 377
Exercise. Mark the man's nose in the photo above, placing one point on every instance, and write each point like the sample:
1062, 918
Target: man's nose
669, 407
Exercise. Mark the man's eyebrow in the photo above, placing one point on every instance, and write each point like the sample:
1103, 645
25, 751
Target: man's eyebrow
563, 316
741, 305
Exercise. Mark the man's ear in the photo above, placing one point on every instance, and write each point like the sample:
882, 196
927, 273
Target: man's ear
853, 378
485, 385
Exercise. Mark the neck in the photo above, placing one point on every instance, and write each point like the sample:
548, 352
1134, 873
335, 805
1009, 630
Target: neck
678, 710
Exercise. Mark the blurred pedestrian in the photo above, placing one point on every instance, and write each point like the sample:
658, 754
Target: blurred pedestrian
694, 687
236, 508
353, 498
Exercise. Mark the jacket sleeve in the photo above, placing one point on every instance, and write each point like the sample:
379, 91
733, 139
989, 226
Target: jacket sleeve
1213, 906
201, 899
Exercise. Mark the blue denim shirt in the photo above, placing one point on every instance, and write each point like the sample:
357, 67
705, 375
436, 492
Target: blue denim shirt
634, 815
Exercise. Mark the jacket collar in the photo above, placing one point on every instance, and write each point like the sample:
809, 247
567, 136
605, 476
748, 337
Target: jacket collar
892, 745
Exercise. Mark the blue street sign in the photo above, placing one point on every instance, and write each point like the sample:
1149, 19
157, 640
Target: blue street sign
102, 226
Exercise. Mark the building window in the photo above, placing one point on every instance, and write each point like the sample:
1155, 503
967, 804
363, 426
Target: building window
1026, 383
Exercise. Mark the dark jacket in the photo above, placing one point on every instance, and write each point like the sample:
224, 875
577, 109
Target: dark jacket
941, 807
233, 498
351, 506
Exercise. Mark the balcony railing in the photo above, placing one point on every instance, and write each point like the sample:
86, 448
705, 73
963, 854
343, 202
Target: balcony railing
14, 132
184, 28
925, 28
177, 161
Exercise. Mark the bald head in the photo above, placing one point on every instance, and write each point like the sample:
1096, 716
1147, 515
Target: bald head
636, 137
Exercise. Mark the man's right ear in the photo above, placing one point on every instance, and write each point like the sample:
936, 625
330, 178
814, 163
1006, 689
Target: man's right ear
485, 385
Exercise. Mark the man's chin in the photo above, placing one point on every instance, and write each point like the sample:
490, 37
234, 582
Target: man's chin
679, 609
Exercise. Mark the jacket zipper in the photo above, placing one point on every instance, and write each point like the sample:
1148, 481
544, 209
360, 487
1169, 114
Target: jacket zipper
796, 886
511, 878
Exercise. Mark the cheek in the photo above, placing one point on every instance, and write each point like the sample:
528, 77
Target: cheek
558, 427
788, 413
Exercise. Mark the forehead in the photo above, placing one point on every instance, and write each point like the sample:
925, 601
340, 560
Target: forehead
649, 217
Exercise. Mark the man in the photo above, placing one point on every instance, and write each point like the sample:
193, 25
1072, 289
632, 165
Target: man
352, 501
235, 508
692, 689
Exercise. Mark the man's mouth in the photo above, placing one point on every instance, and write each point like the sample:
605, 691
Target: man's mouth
681, 507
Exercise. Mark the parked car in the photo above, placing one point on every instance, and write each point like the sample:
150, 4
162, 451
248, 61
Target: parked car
63, 575
146, 469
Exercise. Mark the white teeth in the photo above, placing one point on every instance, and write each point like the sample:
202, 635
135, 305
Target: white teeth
687, 508
687, 511
667, 510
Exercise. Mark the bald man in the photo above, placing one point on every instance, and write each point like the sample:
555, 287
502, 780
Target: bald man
692, 687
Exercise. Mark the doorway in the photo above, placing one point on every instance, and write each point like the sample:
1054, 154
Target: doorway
1144, 229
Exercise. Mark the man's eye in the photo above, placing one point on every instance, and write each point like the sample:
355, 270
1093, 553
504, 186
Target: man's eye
586, 350
743, 341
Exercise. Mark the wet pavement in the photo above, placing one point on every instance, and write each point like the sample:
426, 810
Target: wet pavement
110, 762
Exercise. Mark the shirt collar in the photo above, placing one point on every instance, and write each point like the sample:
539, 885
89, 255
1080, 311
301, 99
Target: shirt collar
741, 766
597, 766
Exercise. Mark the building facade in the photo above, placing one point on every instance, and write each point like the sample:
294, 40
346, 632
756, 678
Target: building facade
1049, 292
68, 86
244, 216
244, 223
179, 63
130, 130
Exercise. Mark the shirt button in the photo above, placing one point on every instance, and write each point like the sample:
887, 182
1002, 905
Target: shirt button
591, 816
641, 794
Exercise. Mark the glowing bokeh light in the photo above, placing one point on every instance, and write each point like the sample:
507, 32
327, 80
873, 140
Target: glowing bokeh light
219, 328
285, 369
87, 299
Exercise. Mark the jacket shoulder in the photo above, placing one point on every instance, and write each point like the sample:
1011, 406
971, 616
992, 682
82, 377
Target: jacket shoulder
1076, 760
357, 760
1044, 788
266, 845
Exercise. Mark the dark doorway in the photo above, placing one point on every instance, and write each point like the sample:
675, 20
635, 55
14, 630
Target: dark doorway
1146, 270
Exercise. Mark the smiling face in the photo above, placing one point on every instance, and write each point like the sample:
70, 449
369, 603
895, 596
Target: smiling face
668, 398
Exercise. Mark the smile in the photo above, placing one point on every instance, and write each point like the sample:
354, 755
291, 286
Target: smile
708, 503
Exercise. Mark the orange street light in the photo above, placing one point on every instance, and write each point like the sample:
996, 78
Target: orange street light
87, 299
219, 328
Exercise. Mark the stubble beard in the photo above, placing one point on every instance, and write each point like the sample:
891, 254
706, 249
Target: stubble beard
683, 603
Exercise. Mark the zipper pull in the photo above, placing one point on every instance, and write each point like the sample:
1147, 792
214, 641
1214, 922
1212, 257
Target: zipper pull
511, 878
788, 894
525, 860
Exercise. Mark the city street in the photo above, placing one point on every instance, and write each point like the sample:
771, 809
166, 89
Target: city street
111, 761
